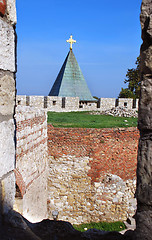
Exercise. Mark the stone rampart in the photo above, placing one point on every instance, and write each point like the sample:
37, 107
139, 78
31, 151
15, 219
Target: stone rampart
107, 103
7, 105
92, 173
67, 104
31, 163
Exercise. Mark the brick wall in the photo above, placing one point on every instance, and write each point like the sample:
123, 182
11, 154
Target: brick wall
31, 161
92, 173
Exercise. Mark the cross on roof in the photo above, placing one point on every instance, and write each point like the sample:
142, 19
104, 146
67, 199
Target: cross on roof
71, 41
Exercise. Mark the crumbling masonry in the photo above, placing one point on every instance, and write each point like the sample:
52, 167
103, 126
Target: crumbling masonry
7, 104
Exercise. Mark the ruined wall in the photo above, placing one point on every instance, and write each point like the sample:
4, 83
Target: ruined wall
87, 106
31, 162
7, 104
67, 104
92, 173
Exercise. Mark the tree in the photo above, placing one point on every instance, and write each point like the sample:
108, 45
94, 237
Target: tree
126, 93
133, 80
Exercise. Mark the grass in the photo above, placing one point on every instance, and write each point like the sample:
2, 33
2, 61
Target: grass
105, 226
85, 120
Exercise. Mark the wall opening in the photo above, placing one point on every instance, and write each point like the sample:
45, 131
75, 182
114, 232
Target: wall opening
117, 103
18, 203
45, 102
125, 104
27, 101
134, 103
98, 103
54, 103
63, 102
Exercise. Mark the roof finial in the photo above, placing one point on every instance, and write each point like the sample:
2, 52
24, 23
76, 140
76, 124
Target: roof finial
71, 41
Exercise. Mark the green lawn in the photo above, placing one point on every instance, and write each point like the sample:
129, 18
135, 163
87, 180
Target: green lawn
105, 226
85, 120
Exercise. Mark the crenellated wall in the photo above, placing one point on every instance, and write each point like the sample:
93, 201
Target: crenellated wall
67, 104
92, 173
31, 163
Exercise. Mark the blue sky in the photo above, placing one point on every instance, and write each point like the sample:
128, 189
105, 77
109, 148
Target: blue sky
108, 36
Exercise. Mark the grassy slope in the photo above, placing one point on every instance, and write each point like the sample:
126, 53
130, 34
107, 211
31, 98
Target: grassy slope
85, 120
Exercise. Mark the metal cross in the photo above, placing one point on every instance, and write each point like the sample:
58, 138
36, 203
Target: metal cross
71, 41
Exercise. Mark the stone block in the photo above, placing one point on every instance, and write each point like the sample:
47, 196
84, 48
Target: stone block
145, 104
7, 150
11, 11
7, 47
7, 94
146, 64
107, 103
143, 225
37, 101
144, 167
0, 204
35, 200
8, 192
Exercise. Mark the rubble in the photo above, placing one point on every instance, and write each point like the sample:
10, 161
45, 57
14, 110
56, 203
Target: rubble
118, 112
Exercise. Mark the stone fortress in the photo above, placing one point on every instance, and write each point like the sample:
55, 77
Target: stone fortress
85, 181
86, 174
76, 194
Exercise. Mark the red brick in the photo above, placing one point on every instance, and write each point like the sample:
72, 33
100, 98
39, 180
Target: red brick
112, 150
2, 7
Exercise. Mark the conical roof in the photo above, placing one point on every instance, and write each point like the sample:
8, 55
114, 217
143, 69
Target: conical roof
70, 81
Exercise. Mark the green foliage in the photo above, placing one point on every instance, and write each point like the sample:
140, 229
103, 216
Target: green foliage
86, 120
105, 226
133, 80
126, 93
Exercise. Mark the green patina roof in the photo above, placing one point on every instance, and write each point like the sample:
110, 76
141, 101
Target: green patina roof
70, 81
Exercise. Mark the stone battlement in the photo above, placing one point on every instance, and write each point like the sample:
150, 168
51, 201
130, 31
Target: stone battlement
67, 104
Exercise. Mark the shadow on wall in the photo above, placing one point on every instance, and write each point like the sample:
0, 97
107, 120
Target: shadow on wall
18, 203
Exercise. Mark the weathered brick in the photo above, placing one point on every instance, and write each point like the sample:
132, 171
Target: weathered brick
97, 167
111, 150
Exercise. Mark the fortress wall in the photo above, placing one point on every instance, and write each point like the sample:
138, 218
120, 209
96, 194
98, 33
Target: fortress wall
31, 162
67, 104
107, 103
71, 104
37, 101
88, 106
92, 173
125, 102
7, 105
21, 100
54, 104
